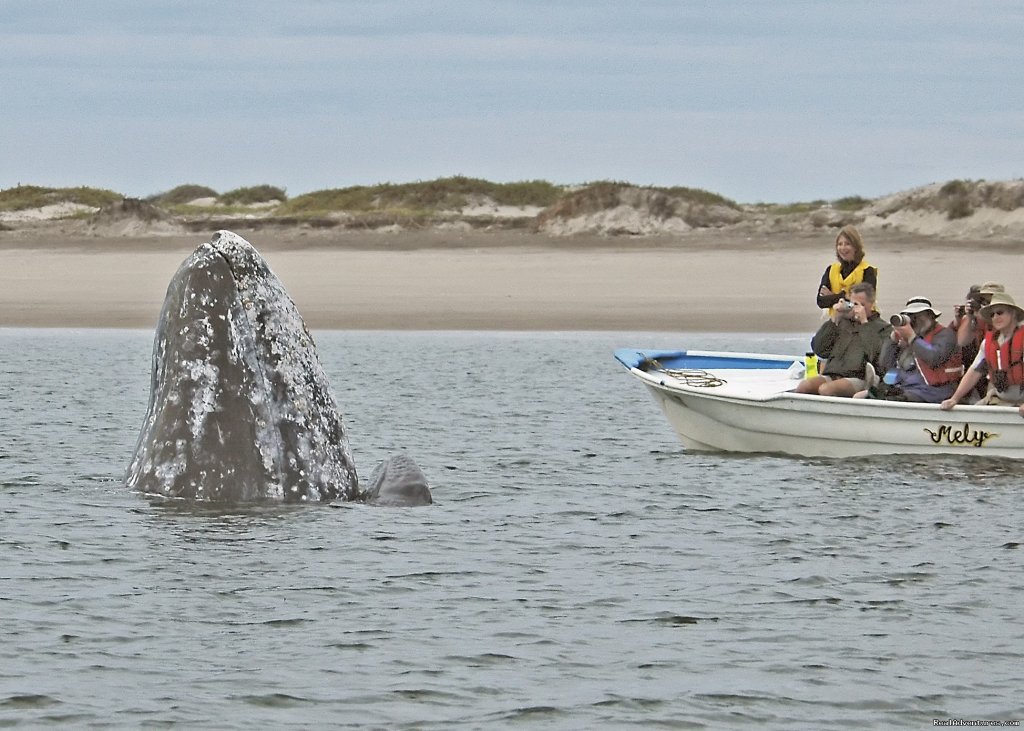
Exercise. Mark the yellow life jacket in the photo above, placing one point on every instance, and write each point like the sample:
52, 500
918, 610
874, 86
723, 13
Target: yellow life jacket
838, 283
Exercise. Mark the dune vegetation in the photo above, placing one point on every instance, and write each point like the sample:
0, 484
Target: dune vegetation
443, 194
23, 197
603, 207
191, 198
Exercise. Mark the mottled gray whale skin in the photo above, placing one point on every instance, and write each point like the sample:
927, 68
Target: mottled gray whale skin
399, 482
240, 408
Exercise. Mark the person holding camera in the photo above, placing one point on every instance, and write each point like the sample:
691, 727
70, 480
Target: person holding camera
971, 328
848, 341
921, 359
849, 269
1001, 357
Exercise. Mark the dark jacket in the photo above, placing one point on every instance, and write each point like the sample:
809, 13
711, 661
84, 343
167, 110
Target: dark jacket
848, 345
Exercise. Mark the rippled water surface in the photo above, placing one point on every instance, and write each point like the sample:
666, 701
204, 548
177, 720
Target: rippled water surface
578, 569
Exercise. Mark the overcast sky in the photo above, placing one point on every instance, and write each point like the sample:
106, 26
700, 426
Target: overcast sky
773, 100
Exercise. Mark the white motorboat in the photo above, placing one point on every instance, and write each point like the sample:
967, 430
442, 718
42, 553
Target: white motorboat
743, 402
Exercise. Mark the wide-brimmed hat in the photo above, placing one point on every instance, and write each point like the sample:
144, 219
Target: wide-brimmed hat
991, 288
919, 304
1001, 299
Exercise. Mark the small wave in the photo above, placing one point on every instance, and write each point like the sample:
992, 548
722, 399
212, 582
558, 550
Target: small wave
294, 622
425, 694
358, 646
531, 713
674, 619
481, 660
22, 481
641, 704
275, 700
28, 700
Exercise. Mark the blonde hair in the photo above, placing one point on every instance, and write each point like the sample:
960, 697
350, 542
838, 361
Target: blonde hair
852, 235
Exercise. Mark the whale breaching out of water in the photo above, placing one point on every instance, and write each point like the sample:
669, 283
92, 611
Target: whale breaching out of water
240, 408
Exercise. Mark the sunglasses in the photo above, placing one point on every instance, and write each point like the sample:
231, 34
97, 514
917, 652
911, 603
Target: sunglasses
999, 311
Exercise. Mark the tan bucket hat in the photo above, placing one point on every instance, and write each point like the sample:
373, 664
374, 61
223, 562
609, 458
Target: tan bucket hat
1001, 299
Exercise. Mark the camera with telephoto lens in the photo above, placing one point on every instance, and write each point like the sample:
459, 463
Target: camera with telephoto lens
959, 311
899, 320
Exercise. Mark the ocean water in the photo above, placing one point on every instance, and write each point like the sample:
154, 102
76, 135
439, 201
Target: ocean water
577, 570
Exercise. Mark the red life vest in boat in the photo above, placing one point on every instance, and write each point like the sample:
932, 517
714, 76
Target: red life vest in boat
949, 371
1007, 357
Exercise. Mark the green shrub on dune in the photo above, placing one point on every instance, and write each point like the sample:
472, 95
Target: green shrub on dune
526, 193
443, 194
457, 191
699, 196
356, 198
182, 194
252, 194
691, 204
22, 197
850, 203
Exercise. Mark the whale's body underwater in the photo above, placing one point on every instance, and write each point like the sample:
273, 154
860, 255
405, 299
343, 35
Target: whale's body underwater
240, 408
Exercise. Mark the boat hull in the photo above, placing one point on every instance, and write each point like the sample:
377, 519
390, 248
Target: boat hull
767, 417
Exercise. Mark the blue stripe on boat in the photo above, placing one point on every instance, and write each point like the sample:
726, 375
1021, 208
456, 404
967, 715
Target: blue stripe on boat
632, 358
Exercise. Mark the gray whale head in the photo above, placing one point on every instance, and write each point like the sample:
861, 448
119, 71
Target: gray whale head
240, 408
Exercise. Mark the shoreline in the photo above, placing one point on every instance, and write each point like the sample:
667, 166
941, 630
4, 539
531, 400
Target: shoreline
436, 280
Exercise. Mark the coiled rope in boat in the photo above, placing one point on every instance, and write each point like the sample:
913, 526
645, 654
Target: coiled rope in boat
694, 377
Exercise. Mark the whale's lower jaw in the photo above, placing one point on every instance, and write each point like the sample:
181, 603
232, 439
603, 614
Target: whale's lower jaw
240, 408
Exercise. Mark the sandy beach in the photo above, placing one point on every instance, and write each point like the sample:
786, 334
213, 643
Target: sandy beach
495, 280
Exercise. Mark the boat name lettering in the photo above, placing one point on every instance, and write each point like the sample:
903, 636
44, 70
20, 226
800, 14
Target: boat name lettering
956, 436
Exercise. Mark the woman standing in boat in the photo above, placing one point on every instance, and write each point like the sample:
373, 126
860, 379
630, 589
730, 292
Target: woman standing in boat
849, 269
1001, 357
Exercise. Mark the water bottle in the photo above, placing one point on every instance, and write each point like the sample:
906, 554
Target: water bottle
810, 365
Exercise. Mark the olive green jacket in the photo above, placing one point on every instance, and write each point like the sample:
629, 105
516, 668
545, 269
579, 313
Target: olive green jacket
848, 345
